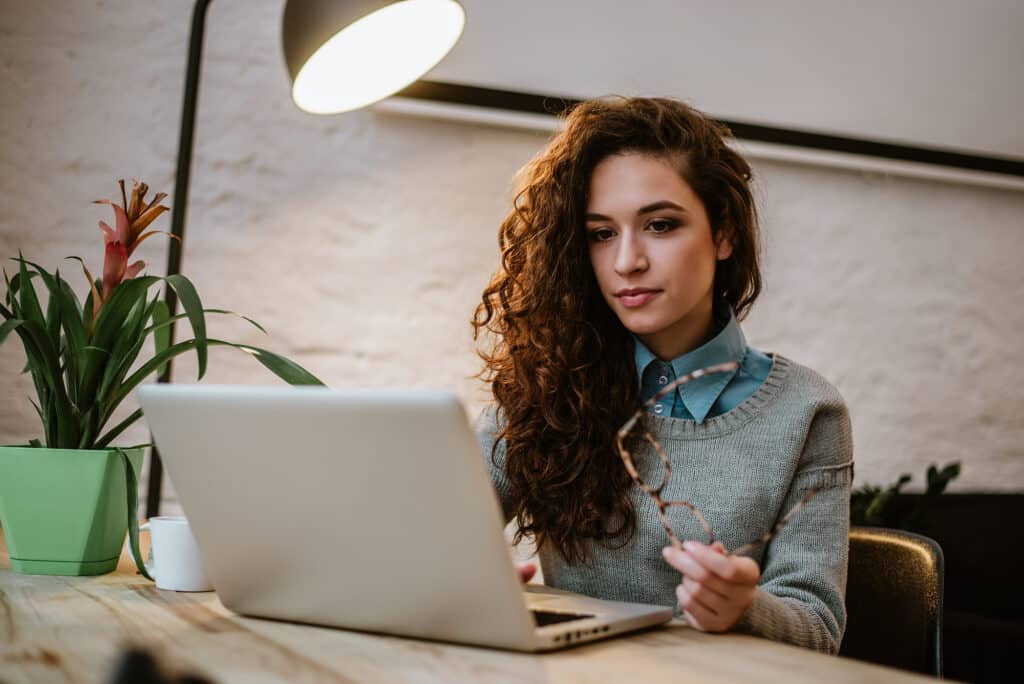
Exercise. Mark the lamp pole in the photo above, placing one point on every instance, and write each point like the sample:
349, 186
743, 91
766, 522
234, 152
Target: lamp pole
181, 182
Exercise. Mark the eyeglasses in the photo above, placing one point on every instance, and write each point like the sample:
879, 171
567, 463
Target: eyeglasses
655, 492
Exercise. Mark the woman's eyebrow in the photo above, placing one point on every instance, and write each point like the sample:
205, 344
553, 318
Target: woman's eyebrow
656, 206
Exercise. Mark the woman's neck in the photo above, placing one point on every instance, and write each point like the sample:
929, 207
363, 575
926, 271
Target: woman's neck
684, 335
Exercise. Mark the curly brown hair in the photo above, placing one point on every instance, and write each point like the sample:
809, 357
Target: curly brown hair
561, 366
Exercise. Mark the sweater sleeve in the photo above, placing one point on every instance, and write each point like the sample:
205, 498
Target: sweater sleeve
493, 453
801, 596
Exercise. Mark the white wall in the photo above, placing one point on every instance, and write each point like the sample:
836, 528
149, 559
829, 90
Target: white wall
362, 241
864, 69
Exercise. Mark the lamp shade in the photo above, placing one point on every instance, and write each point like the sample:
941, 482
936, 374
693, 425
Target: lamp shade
346, 54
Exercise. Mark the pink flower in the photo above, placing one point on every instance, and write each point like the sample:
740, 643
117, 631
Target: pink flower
116, 268
130, 219
133, 218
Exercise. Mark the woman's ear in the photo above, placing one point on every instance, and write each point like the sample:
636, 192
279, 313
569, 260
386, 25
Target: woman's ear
723, 244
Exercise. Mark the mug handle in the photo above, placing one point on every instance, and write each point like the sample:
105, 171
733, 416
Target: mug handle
150, 562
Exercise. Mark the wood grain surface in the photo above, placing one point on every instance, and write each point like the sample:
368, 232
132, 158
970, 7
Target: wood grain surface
72, 629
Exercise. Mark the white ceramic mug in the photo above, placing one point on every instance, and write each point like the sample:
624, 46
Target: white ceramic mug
174, 555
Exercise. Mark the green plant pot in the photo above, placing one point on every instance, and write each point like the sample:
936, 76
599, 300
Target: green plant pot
64, 511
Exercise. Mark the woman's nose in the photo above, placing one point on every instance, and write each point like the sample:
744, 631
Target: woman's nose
630, 256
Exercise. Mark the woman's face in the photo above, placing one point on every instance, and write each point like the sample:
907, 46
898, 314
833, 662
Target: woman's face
652, 251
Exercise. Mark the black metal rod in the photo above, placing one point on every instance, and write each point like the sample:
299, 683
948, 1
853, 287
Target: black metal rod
188, 123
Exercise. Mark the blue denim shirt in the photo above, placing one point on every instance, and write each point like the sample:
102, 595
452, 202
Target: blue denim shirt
710, 395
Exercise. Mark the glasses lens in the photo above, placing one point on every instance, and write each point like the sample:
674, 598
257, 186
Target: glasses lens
686, 523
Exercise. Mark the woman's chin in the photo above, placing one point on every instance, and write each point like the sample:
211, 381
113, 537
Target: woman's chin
639, 324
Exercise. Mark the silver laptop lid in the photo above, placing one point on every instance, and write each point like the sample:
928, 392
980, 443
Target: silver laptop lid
366, 509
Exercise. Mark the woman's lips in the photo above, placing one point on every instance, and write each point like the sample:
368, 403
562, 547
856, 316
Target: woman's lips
632, 301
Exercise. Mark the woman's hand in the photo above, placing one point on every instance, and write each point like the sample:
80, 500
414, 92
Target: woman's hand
717, 588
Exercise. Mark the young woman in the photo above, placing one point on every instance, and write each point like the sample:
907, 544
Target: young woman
628, 257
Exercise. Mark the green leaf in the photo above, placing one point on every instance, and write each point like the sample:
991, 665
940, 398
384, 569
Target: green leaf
189, 298
284, 368
161, 330
90, 422
34, 362
90, 358
74, 337
42, 355
9, 325
62, 428
133, 517
42, 418
59, 288
117, 430
126, 348
287, 370
919, 519
114, 375
8, 295
167, 321
121, 358
87, 306
938, 480
51, 422
110, 326
53, 319
877, 508
70, 296
90, 361
30, 309
42, 392
116, 309
69, 313
14, 284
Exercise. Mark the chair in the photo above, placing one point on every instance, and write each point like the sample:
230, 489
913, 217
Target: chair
894, 600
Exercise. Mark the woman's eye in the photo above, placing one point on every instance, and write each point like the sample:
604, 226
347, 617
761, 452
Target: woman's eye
600, 235
662, 226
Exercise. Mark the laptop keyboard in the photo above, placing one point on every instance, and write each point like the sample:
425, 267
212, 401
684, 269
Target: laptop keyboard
546, 617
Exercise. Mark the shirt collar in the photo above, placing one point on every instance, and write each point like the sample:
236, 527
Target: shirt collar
642, 356
700, 394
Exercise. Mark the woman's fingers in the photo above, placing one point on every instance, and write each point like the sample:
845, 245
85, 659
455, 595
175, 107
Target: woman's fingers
732, 569
706, 596
687, 564
692, 594
693, 621
716, 588
696, 615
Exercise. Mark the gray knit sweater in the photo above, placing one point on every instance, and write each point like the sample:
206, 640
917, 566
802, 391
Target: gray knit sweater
743, 469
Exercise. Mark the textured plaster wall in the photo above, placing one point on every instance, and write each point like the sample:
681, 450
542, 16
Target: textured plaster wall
362, 241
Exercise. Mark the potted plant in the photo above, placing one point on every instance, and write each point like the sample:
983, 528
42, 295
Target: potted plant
872, 505
67, 498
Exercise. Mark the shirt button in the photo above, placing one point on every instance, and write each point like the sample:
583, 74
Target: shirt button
662, 379
658, 408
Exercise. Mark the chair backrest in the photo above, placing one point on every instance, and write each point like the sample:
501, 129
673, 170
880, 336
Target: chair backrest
894, 600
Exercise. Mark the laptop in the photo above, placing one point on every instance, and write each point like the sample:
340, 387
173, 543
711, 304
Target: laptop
364, 509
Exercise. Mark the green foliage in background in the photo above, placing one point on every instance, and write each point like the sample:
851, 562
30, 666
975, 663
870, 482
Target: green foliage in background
871, 505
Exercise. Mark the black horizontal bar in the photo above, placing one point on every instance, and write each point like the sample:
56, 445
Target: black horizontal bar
532, 103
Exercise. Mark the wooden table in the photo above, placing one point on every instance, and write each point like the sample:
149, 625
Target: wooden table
72, 629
